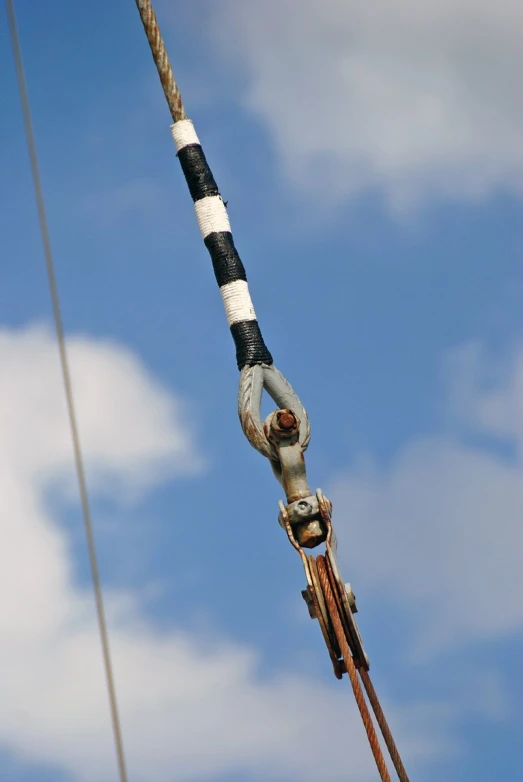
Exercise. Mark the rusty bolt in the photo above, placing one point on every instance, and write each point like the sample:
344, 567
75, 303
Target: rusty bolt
310, 534
282, 423
286, 420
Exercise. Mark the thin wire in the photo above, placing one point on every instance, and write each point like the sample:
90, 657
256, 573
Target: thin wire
102, 624
161, 59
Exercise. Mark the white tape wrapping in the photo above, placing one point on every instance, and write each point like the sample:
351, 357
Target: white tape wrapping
211, 215
237, 302
183, 133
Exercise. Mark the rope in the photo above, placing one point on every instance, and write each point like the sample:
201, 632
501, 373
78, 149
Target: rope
213, 220
159, 52
80, 471
384, 727
211, 211
351, 669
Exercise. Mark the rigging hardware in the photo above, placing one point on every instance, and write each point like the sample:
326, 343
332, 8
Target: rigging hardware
284, 436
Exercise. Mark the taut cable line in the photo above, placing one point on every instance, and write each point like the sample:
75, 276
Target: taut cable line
285, 434
71, 409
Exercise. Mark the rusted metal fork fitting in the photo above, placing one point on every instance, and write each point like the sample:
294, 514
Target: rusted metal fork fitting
282, 439
282, 430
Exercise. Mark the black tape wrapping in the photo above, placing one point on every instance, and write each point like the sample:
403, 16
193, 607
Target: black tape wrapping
227, 264
197, 173
250, 347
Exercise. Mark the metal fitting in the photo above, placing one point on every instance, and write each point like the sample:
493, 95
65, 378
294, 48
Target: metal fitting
305, 518
310, 604
253, 381
303, 509
285, 421
352, 598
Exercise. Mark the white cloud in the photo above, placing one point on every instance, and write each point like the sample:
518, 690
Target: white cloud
439, 532
418, 100
110, 386
191, 706
487, 395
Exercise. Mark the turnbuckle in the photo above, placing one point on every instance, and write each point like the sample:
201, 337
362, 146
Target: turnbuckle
306, 518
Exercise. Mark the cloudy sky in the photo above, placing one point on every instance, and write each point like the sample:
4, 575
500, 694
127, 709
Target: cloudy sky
372, 158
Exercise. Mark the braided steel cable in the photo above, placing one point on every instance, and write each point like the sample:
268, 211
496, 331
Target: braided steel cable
351, 668
159, 52
210, 209
250, 347
384, 726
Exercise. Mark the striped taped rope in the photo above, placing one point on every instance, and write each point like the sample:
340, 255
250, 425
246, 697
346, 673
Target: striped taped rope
213, 220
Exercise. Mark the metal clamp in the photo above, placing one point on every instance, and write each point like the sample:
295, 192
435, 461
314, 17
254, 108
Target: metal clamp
314, 593
306, 518
282, 429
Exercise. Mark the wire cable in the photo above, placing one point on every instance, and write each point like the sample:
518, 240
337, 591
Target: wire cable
210, 209
251, 350
351, 670
66, 374
161, 59
384, 726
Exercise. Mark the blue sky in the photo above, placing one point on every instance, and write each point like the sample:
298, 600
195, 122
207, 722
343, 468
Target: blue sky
373, 170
